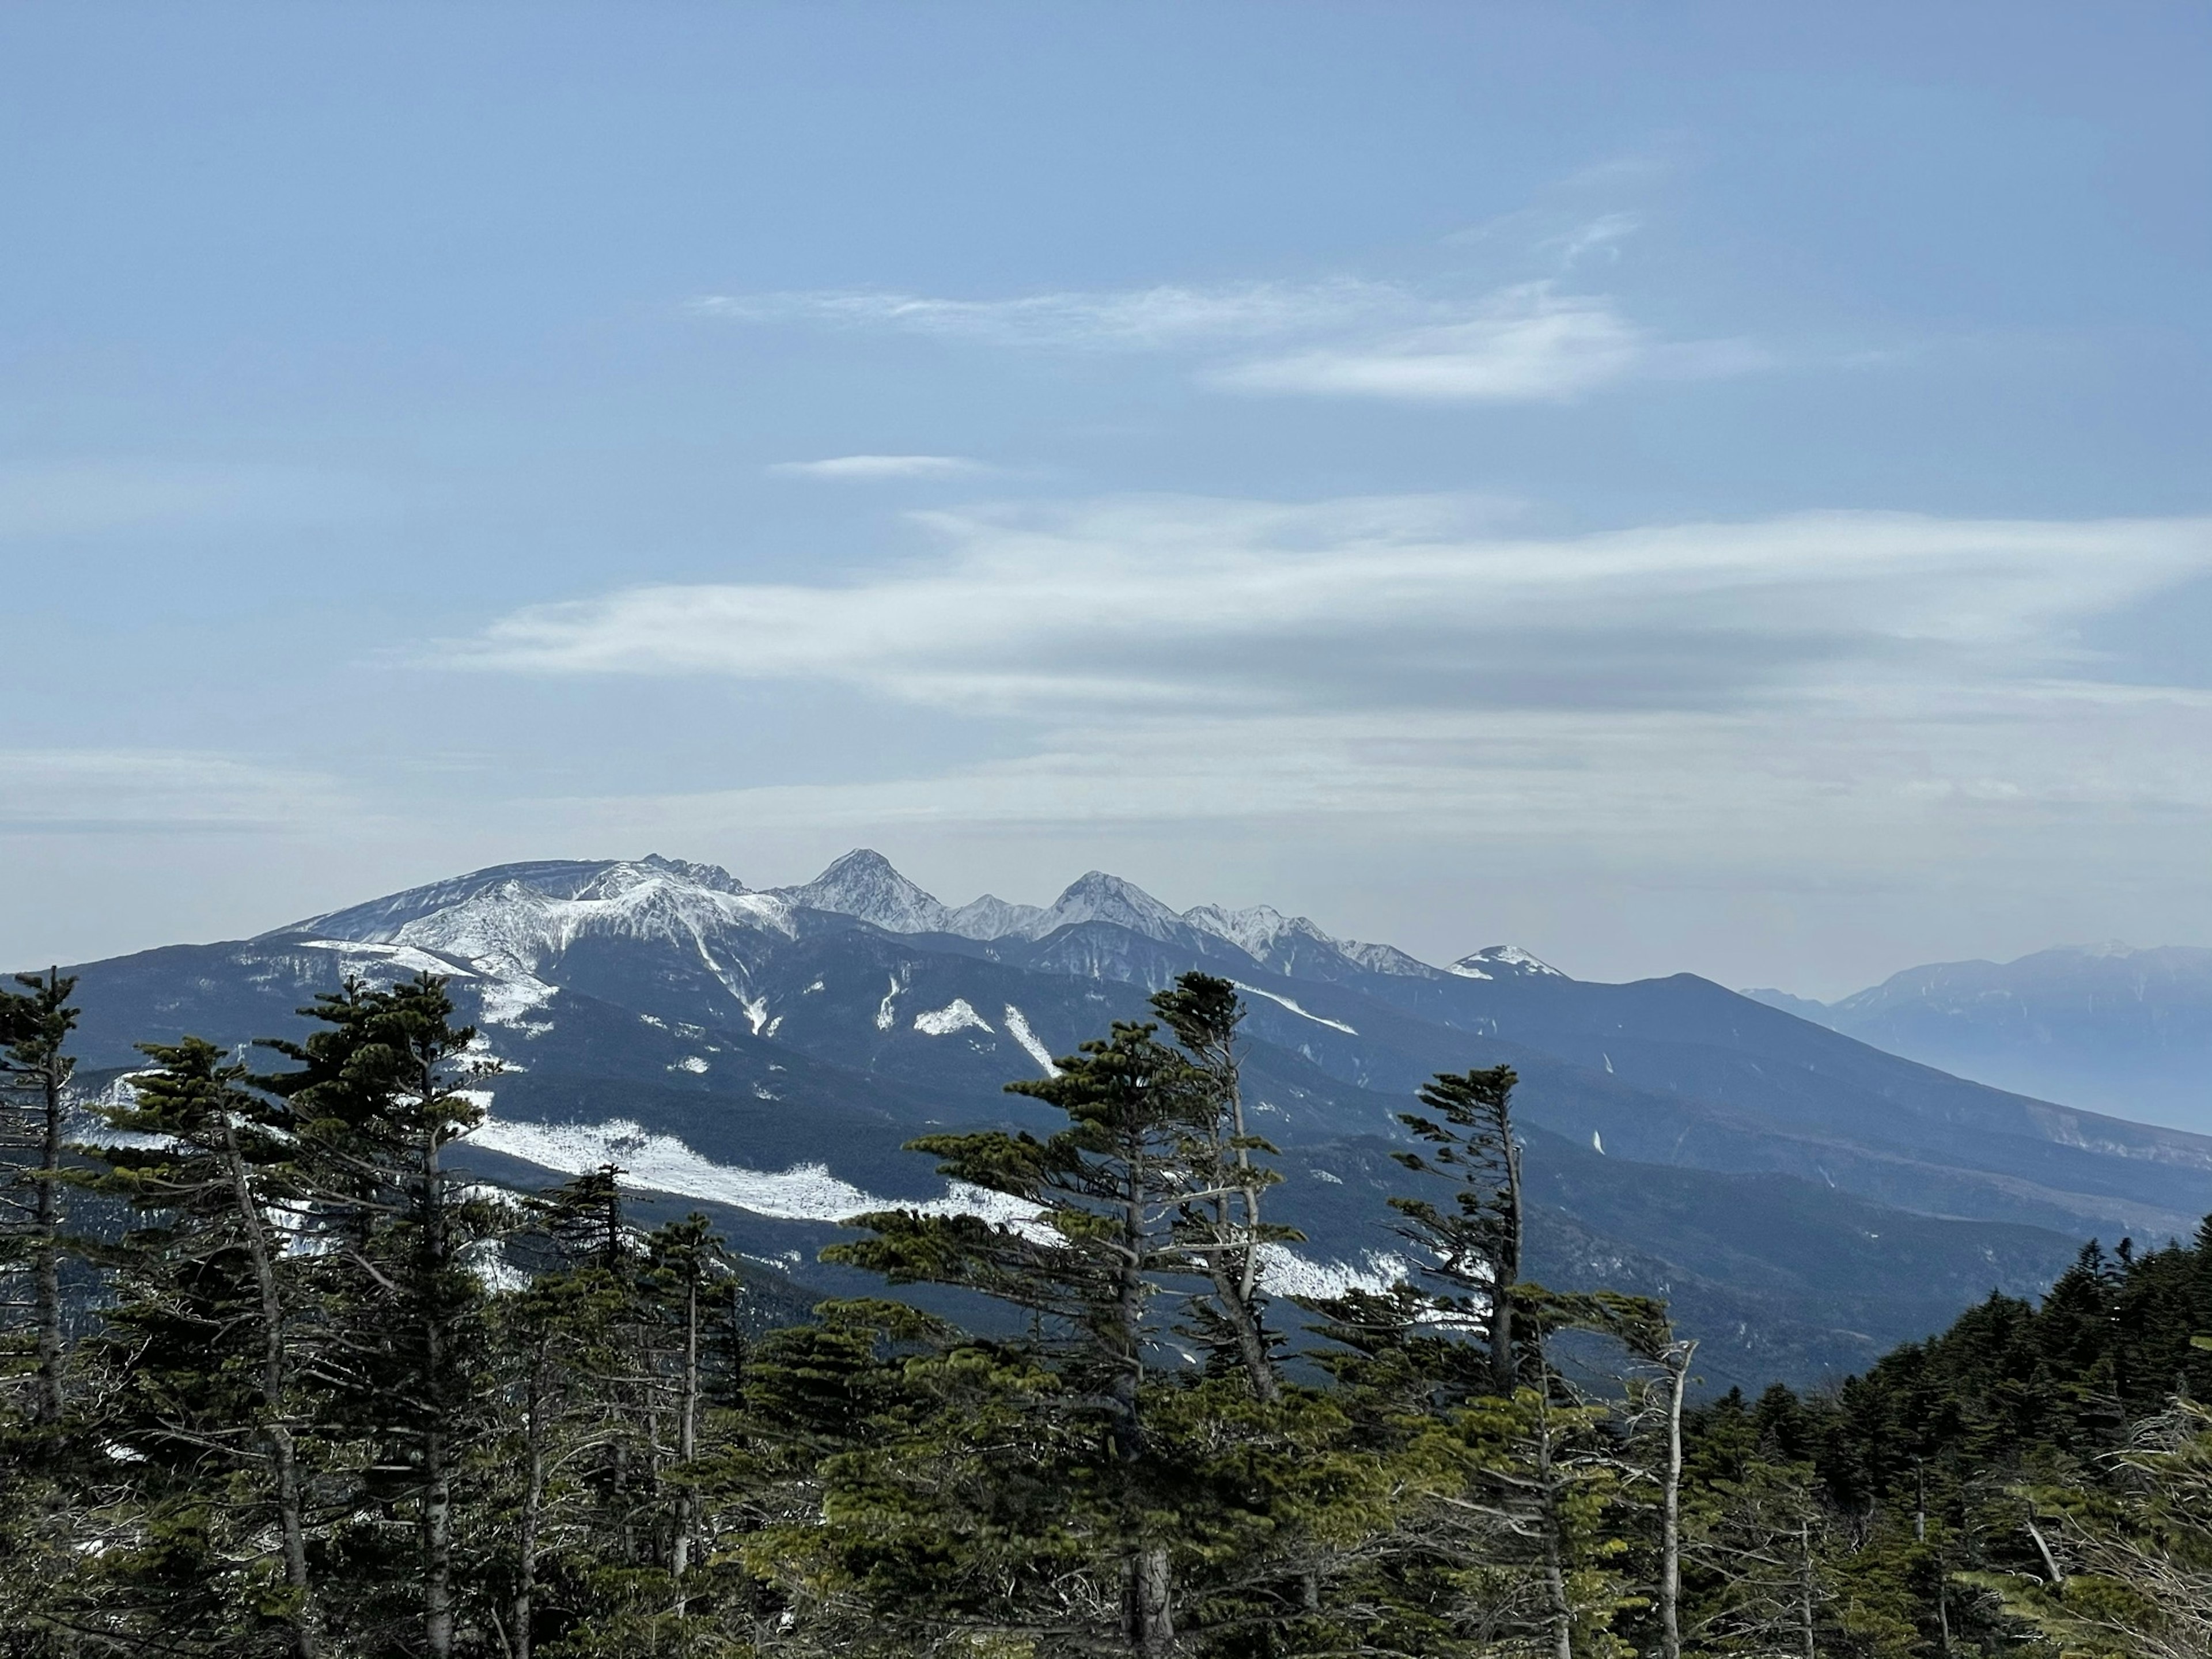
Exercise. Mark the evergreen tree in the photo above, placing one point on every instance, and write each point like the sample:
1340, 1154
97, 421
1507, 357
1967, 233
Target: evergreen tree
202, 1332
1473, 1248
35, 1068
378, 1095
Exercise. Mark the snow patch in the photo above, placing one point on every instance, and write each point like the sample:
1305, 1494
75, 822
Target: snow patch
508, 999
885, 1016
1334, 1024
805, 1192
1018, 1027
956, 1016
690, 1063
1283, 1272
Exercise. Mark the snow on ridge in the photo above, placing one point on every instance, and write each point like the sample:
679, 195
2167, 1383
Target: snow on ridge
1303, 1013
358, 956
656, 1163
1018, 1027
959, 1015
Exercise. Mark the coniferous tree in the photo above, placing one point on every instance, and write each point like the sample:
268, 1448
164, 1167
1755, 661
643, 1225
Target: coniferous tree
35, 1068
204, 1329
1474, 1247
1104, 1189
379, 1093
1218, 1223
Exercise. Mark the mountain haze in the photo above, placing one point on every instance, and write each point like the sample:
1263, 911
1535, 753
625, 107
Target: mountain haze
2108, 1027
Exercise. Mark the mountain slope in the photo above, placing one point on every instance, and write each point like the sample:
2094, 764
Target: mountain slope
1809, 1199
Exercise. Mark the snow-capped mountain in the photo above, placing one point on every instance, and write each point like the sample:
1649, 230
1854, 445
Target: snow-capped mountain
767, 1054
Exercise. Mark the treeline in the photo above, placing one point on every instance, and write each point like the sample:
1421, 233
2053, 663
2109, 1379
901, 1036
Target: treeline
282, 1380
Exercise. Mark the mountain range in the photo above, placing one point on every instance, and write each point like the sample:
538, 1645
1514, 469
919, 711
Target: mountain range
1805, 1200
2106, 1026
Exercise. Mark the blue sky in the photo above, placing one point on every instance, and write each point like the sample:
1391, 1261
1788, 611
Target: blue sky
1709, 486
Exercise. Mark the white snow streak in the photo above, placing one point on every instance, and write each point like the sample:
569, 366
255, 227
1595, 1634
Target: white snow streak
1334, 1024
1018, 1027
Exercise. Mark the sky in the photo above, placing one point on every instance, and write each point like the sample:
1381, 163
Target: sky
1708, 488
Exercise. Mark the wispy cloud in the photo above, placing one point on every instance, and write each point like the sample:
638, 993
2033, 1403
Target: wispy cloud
71, 791
881, 466
1152, 318
1527, 341
1388, 602
1529, 345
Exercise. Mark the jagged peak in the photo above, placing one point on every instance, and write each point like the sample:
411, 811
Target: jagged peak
710, 875
865, 885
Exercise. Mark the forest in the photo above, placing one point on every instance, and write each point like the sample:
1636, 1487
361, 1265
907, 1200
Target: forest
284, 1378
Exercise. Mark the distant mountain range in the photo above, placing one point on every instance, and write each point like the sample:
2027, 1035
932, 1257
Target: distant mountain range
2105, 1027
1805, 1200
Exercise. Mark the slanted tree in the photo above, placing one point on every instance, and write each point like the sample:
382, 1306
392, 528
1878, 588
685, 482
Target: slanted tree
1218, 1223
35, 1068
1473, 1247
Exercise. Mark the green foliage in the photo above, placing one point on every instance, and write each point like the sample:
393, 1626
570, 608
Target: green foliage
333, 1402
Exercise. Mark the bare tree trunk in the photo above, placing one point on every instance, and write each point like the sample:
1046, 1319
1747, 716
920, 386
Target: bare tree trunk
1555, 1575
1805, 1587
437, 1475
1147, 1609
46, 1255
1670, 1515
291, 1517
1251, 1340
1505, 1269
533, 1503
687, 1440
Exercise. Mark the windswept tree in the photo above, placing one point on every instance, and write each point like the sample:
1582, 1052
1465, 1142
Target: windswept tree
1471, 1245
1217, 1222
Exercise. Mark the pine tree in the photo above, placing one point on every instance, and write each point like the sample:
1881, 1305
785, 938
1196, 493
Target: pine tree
1474, 1248
1218, 1223
1104, 1189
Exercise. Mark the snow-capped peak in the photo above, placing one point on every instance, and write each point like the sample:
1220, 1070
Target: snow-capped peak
511, 920
863, 884
1097, 896
1503, 961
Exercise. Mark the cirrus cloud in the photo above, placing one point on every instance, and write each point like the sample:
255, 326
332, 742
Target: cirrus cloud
1527, 341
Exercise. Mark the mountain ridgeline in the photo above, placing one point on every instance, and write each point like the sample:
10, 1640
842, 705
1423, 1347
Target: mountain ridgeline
1804, 1202
291, 1377
2106, 1027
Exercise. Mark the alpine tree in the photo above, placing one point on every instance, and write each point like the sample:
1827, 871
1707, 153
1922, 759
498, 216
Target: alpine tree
203, 1328
379, 1093
1473, 1247
1217, 1222
1102, 1191
35, 1068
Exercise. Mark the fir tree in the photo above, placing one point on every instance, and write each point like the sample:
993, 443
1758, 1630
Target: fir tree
35, 1068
